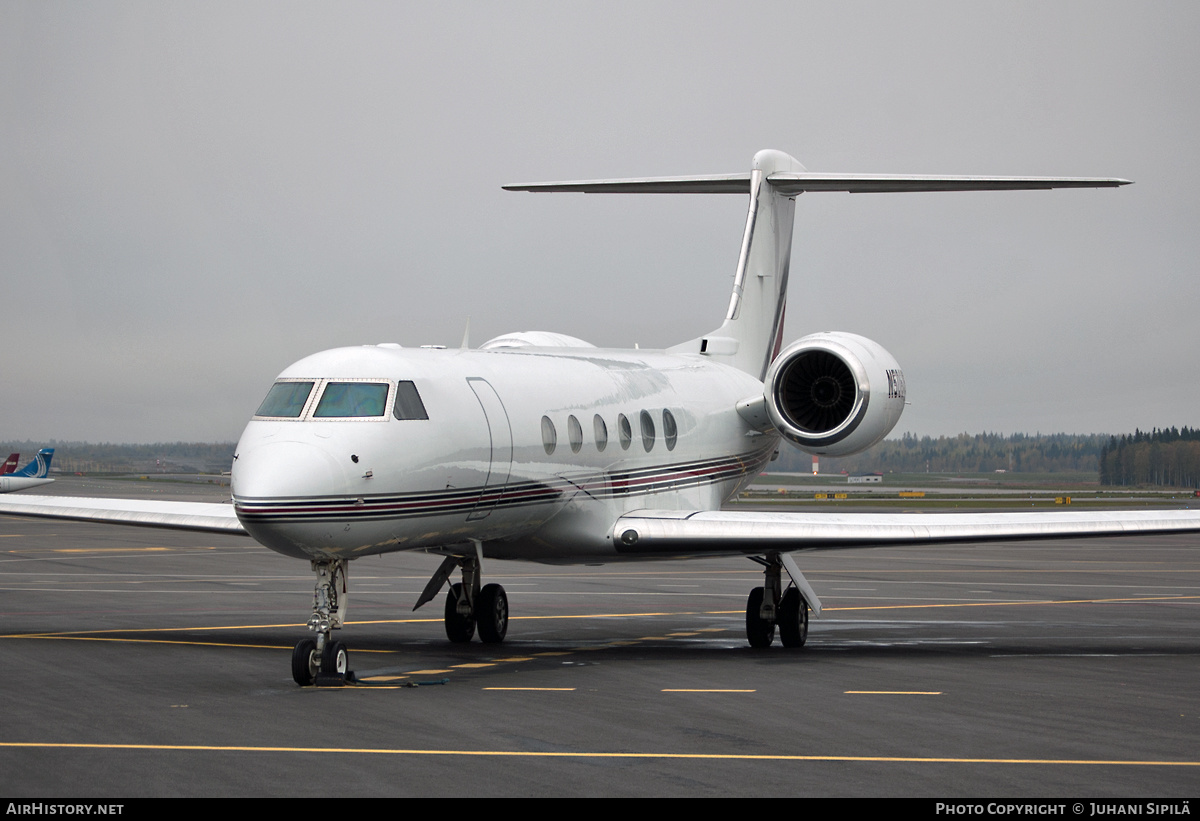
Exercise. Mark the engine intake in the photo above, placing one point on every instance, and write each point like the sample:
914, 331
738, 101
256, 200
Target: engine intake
834, 394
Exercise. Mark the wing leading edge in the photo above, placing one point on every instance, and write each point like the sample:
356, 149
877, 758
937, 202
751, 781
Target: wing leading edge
679, 533
202, 516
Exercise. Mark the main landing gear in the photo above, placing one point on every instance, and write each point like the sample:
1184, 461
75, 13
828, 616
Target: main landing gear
769, 606
323, 660
469, 606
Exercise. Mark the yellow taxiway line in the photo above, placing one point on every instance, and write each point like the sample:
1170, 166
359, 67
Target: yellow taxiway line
582, 754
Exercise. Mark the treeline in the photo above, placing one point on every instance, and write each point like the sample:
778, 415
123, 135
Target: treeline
161, 457
1168, 457
964, 453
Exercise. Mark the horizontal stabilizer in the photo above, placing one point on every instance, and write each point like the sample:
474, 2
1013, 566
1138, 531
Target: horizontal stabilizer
703, 184
792, 183
203, 516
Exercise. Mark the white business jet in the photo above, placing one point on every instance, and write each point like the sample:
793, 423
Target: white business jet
541, 447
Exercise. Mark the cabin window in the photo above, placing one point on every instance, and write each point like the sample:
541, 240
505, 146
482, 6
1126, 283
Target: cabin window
670, 429
647, 424
574, 434
285, 400
408, 402
549, 435
352, 400
601, 431
624, 431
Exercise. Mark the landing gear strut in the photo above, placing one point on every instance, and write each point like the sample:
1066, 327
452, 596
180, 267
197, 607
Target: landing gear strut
322, 658
770, 606
467, 604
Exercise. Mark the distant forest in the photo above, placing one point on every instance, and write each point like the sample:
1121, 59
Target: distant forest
1161, 457
964, 453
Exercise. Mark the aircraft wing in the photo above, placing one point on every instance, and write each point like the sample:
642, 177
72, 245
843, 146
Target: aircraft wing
204, 516
682, 533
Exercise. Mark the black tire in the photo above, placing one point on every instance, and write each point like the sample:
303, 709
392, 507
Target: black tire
793, 619
759, 632
491, 614
304, 662
335, 660
458, 629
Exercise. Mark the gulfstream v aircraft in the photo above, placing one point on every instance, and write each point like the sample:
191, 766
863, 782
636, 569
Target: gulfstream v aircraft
541, 447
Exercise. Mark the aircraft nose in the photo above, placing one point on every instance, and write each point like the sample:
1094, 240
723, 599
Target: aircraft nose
275, 470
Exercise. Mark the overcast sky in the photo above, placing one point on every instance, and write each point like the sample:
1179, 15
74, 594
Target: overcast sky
194, 195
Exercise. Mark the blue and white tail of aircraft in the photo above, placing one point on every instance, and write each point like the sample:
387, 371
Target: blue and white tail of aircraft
32, 475
39, 468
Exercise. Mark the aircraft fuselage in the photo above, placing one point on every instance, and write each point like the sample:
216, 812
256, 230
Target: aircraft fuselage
10, 483
533, 451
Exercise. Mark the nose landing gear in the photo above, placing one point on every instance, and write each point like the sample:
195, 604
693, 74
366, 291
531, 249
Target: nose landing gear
323, 660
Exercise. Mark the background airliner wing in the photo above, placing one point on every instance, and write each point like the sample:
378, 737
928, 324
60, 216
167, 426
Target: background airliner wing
683, 533
209, 517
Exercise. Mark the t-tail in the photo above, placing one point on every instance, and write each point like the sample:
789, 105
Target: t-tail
752, 333
39, 468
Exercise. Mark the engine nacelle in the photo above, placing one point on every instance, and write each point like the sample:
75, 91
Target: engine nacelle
834, 394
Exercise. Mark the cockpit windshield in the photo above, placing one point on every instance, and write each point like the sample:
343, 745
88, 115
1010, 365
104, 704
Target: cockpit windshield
285, 399
352, 399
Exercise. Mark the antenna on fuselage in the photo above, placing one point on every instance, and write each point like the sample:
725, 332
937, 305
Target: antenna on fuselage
466, 343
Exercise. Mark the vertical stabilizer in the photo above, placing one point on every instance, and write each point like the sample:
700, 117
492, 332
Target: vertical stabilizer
753, 328
39, 468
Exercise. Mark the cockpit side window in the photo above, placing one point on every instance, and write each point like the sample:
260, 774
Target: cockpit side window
408, 402
286, 400
352, 399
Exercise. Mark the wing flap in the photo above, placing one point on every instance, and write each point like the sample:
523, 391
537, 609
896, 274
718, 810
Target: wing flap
202, 516
716, 533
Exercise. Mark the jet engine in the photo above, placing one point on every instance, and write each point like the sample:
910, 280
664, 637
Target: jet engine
834, 394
